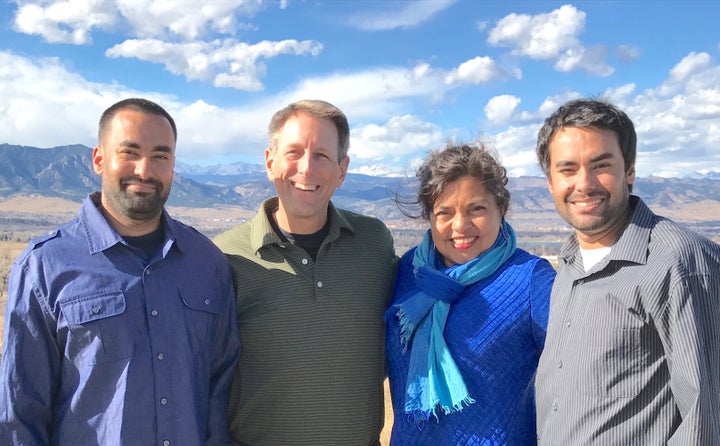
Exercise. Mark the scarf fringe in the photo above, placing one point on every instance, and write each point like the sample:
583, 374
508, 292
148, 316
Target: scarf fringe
420, 417
407, 328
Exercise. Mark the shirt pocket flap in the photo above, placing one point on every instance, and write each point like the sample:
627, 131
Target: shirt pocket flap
202, 300
91, 308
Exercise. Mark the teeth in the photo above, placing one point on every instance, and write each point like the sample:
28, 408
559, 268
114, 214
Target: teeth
463, 241
583, 204
307, 187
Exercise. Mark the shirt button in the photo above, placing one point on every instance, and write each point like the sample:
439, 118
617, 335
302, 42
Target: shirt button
567, 324
166, 443
163, 401
160, 356
560, 364
154, 312
319, 284
207, 301
147, 271
555, 407
304, 261
96, 309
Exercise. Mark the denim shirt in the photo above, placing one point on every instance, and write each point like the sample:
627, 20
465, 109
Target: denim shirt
104, 348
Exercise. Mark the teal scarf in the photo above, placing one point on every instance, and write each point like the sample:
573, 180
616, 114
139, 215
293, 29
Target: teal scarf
433, 377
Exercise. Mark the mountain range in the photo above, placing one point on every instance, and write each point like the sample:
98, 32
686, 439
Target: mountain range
66, 172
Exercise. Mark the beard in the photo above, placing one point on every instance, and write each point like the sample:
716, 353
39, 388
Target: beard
137, 206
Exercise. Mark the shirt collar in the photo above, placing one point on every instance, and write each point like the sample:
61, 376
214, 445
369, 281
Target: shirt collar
632, 244
101, 236
262, 233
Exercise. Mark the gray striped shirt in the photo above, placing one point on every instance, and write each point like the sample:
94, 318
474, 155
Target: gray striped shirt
632, 354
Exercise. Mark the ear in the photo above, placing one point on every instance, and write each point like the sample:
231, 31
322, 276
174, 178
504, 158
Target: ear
268, 163
98, 160
343, 170
549, 184
630, 175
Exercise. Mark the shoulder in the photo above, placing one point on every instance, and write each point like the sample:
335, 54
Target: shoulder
366, 222
366, 231
673, 242
195, 242
538, 264
51, 243
234, 238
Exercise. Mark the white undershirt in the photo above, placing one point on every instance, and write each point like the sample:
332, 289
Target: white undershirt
591, 257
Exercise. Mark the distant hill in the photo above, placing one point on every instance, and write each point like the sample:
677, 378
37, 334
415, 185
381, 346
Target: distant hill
66, 172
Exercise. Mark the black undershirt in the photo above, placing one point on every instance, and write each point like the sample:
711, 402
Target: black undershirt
309, 242
148, 243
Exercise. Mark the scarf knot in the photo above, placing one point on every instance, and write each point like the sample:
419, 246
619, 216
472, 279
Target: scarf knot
434, 379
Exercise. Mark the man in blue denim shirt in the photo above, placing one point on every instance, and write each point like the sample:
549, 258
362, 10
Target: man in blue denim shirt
120, 325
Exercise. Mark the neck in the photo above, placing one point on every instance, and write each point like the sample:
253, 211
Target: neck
128, 227
298, 225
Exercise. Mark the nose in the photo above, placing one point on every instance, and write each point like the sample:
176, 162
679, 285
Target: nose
142, 167
585, 181
305, 163
459, 222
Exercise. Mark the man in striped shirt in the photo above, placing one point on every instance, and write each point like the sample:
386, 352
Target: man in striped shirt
632, 353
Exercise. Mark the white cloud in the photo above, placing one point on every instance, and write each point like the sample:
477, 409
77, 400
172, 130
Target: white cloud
384, 92
72, 21
551, 36
187, 19
480, 70
227, 63
68, 21
46, 105
399, 136
409, 15
499, 109
628, 53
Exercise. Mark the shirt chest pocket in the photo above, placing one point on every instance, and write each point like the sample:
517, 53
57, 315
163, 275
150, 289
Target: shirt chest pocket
97, 330
201, 308
611, 359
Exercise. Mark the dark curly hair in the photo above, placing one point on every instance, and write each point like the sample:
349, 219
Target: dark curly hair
456, 161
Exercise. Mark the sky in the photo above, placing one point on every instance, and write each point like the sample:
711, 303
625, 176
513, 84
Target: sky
409, 75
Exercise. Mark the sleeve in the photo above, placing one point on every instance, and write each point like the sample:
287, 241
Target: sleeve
226, 350
30, 368
540, 288
690, 334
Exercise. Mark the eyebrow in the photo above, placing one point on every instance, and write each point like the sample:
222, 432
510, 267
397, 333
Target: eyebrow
595, 159
134, 145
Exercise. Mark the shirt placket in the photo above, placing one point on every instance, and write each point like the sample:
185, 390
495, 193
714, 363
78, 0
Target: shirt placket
161, 355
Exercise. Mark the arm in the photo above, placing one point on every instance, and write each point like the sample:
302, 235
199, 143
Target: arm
226, 349
540, 288
690, 335
30, 368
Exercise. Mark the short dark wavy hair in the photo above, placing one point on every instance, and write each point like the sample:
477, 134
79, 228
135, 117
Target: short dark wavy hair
455, 161
581, 113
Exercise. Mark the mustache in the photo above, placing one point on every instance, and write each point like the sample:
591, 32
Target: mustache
126, 181
585, 196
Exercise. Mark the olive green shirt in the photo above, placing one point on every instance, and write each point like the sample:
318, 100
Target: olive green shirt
312, 364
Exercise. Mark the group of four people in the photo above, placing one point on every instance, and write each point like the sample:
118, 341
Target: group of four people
126, 327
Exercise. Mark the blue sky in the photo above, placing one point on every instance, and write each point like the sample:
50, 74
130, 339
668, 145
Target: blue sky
410, 75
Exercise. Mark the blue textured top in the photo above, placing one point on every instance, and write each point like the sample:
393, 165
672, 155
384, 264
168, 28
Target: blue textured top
495, 331
103, 348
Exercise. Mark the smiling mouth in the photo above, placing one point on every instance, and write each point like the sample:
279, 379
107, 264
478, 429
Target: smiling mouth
464, 242
305, 187
588, 203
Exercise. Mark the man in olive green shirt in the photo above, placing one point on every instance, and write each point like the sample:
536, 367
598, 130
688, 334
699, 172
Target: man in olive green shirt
312, 284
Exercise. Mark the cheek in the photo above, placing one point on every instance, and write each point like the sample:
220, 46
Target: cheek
436, 231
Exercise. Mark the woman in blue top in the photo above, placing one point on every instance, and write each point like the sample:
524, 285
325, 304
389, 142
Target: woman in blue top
467, 322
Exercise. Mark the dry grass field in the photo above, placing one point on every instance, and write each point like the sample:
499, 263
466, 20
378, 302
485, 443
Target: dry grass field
8, 252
